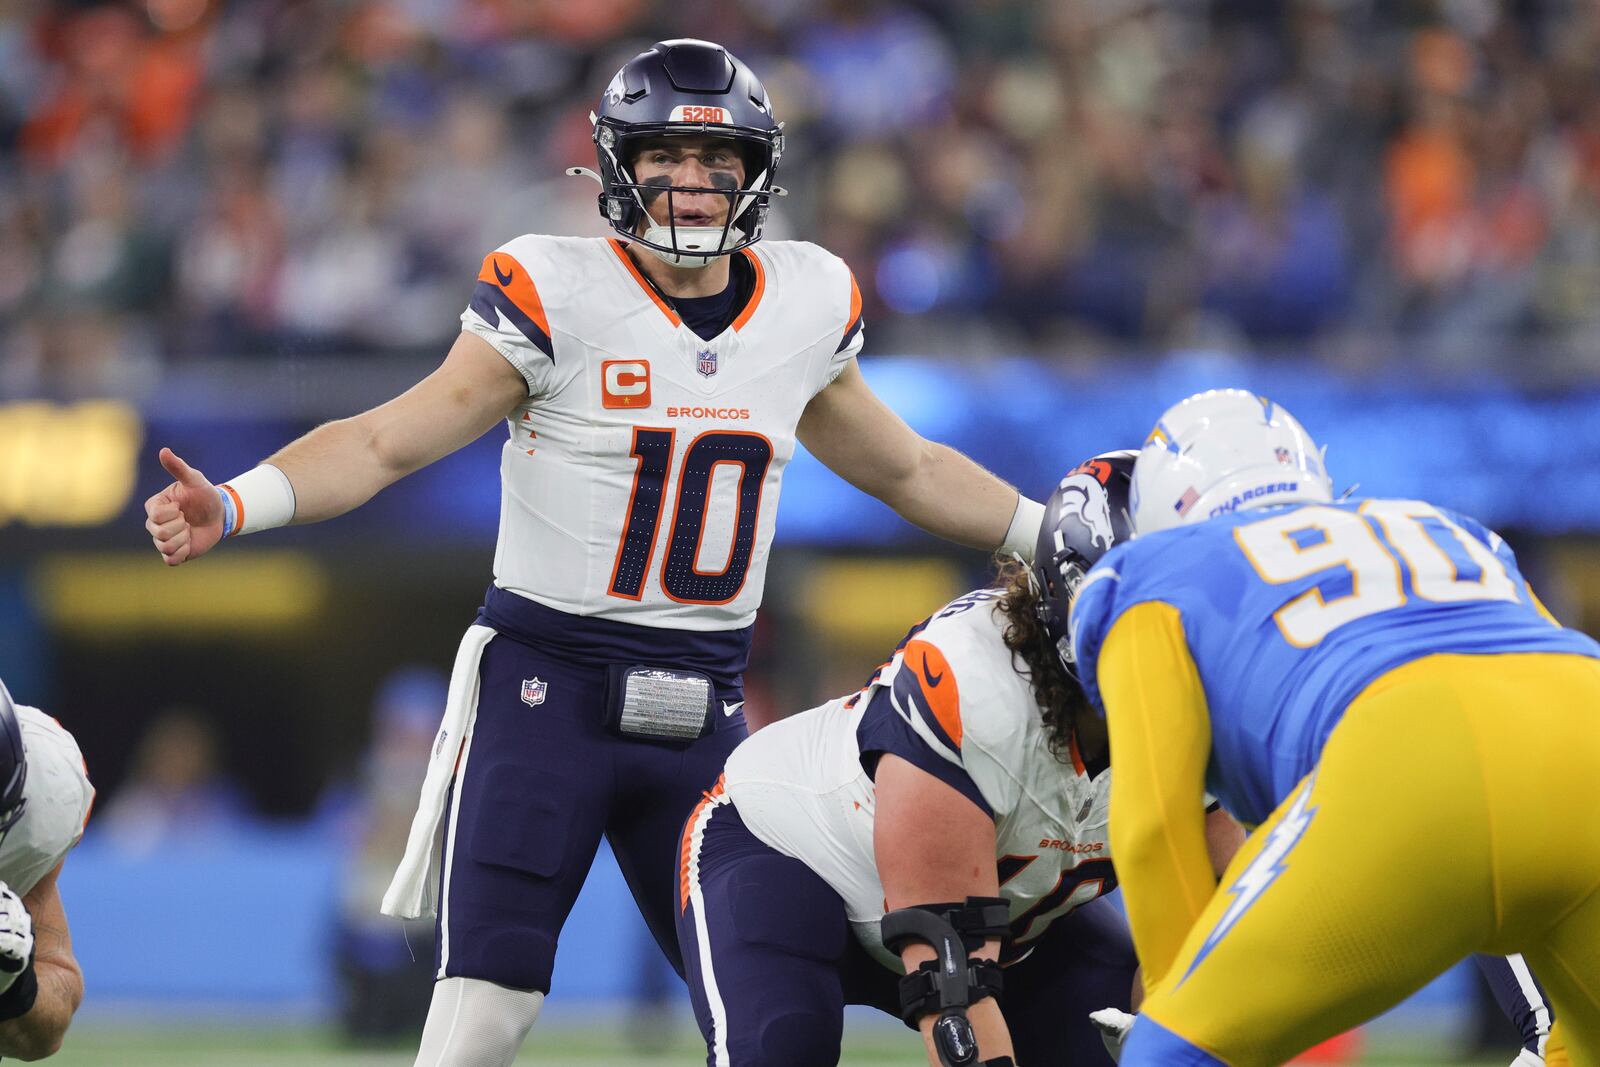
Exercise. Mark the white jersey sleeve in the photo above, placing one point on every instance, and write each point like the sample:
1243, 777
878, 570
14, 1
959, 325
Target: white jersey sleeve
851, 338
508, 311
59, 797
954, 717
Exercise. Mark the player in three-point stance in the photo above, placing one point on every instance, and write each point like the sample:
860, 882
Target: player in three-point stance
1349, 676
655, 387
966, 783
45, 797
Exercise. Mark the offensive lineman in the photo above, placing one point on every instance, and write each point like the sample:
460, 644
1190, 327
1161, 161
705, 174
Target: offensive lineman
45, 797
967, 775
655, 388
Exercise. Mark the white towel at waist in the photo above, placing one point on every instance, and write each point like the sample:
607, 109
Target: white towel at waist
413, 891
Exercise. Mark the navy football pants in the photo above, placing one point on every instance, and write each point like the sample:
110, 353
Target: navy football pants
771, 963
536, 788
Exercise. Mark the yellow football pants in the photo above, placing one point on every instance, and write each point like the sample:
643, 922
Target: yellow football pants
1455, 809
1555, 1048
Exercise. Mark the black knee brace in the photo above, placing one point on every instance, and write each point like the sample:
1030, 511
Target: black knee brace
952, 981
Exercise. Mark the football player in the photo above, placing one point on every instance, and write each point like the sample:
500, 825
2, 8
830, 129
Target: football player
966, 780
655, 386
45, 797
1348, 675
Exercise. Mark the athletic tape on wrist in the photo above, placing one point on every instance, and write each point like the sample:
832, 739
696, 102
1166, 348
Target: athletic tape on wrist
1023, 535
261, 498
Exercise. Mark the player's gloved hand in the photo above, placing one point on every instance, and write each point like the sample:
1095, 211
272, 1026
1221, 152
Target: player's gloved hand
1528, 1058
1113, 1026
185, 518
16, 936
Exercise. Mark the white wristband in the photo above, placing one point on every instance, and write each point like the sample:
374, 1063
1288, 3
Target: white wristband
1023, 536
261, 499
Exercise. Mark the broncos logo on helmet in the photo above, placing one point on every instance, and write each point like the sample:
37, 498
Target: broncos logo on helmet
1086, 516
1084, 500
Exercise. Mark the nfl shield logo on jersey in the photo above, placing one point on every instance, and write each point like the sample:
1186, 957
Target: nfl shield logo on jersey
533, 691
708, 363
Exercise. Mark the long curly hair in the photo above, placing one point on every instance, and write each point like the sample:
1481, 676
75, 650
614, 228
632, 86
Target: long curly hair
1033, 653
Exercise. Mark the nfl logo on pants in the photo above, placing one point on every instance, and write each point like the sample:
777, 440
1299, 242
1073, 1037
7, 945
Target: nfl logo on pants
533, 691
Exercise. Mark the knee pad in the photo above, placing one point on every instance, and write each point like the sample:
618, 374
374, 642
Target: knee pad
474, 1023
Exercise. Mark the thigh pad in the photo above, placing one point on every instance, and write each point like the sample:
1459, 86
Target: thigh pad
778, 902
522, 821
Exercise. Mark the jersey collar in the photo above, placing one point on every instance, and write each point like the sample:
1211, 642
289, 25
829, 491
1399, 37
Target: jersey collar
660, 302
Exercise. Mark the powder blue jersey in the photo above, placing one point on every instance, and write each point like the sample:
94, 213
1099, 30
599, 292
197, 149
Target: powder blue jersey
1290, 612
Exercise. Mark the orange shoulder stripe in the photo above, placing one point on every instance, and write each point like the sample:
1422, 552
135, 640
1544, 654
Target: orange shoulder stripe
506, 274
938, 684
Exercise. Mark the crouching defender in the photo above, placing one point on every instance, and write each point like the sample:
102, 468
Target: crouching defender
964, 790
1349, 676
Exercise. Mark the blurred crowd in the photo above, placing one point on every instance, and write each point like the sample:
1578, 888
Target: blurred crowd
1349, 180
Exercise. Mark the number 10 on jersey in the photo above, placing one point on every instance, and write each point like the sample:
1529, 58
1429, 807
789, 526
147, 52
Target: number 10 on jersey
681, 577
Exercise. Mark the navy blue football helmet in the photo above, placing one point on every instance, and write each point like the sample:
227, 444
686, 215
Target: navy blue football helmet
679, 88
1084, 518
13, 764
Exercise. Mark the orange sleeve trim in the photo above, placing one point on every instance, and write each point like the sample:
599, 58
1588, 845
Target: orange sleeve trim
686, 849
938, 684
649, 290
504, 272
855, 303
755, 294
238, 509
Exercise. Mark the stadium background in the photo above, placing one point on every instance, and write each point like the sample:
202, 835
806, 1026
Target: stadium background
221, 224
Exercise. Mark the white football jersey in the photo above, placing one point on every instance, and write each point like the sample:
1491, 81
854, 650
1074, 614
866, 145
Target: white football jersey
952, 701
640, 481
59, 797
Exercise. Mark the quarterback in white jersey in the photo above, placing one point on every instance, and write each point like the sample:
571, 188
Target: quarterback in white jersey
45, 797
635, 423
655, 387
963, 771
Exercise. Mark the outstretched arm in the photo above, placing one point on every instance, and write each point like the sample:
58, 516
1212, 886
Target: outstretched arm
340, 465
860, 439
38, 1032
1160, 742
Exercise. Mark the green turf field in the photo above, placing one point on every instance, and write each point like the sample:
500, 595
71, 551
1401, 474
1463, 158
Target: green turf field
101, 1045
